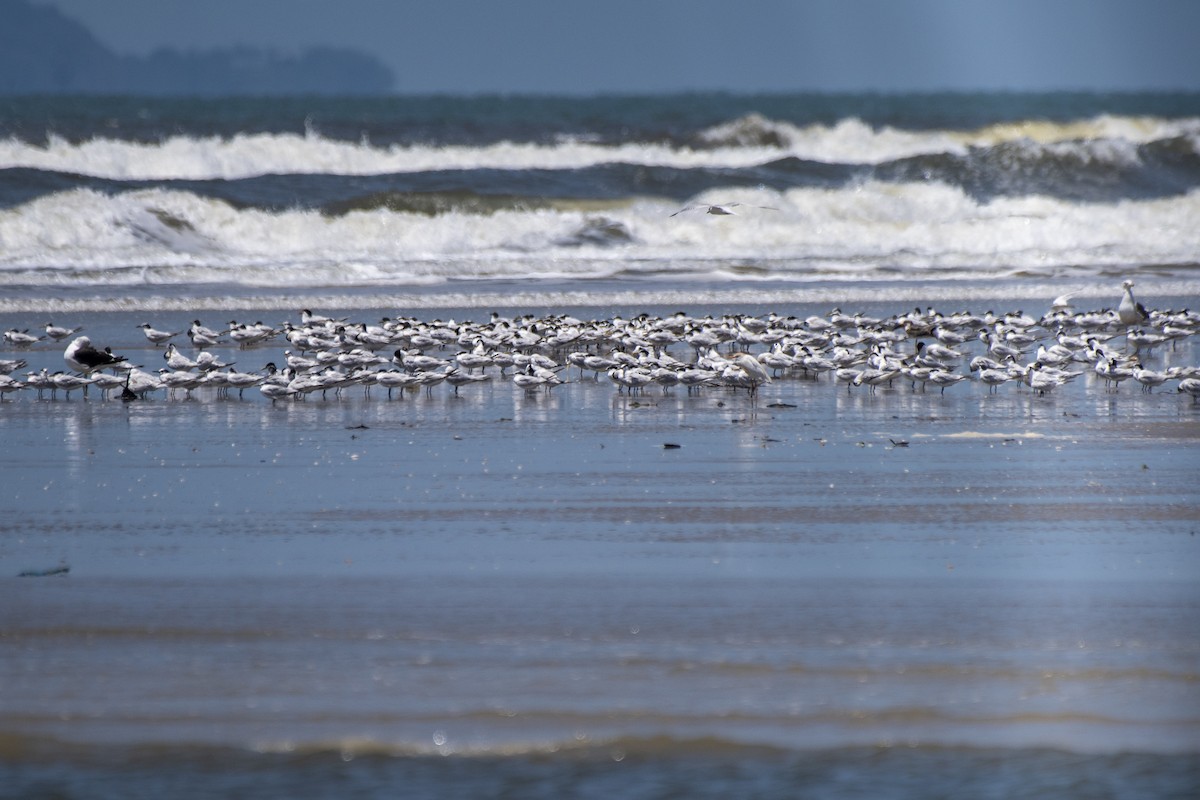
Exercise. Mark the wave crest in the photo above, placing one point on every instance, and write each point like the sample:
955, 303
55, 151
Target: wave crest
744, 142
864, 231
752, 130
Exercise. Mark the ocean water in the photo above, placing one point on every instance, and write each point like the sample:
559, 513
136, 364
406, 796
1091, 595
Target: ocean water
819, 593
105, 200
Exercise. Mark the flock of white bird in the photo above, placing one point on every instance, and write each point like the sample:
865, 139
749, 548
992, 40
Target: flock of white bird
740, 352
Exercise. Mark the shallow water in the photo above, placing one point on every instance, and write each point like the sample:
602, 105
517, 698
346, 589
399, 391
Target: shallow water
506, 594
820, 593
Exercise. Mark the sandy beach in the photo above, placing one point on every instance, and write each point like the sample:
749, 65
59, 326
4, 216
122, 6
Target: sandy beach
814, 580
665, 576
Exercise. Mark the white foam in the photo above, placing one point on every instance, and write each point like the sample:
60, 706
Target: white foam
993, 435
874, 230
1134, 129
250, 155
850, 141
530, 296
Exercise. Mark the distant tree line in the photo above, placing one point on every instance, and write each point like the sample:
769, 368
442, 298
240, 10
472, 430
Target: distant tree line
44, 52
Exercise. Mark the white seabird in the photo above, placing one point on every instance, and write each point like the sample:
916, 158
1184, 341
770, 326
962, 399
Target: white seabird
721, 209
21, 338
57, 332
1131, 312
203, 337
177, 360
1063, 302
273, 391
1150, 378
1190, 386
528, 381
10, 384
69, 383
157, 337
456, 378
756, 373
81, 356
180, 379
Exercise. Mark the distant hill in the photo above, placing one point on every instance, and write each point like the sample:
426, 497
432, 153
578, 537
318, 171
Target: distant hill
44, 52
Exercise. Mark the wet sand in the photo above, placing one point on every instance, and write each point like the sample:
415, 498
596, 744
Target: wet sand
810, 569
913, 474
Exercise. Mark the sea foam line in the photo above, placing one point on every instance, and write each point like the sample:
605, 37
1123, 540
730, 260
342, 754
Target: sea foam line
834, 294
872, 229
737, 144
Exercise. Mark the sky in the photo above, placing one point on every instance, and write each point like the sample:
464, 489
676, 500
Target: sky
650, 46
